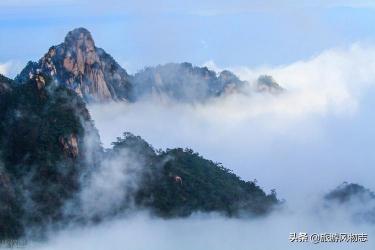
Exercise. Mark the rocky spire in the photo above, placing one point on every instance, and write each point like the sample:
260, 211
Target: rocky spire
78, 64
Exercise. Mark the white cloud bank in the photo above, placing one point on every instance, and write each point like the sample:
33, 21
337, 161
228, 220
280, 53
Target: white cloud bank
4, 68
331, 82
202, 232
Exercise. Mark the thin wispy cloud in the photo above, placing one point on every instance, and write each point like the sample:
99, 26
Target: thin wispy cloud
10, 68
4, 68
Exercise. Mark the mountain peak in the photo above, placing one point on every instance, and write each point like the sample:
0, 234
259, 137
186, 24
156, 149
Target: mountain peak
266, 83
78, 31
80, 36
79, 65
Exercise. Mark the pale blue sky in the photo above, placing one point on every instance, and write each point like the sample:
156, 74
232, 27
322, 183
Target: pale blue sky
250, 33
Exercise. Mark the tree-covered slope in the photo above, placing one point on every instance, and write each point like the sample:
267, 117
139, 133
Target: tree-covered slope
42, 129
355, 199
178, 182
5, 83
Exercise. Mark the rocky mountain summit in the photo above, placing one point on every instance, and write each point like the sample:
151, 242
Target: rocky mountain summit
79, 65
266, 83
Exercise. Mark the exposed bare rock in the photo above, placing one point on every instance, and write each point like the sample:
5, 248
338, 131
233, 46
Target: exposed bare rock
266, 83
69, 145
40, 82
78, 64
230, 82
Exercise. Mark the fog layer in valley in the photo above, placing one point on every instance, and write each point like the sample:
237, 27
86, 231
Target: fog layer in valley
209, 231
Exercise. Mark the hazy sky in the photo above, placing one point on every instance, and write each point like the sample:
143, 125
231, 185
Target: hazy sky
141, 33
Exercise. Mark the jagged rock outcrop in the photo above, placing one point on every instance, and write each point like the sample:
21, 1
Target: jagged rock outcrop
69, 144
40, 82
267, 84
184, 82
79, 65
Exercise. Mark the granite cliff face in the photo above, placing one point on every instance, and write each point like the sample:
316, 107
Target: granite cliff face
79, 65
